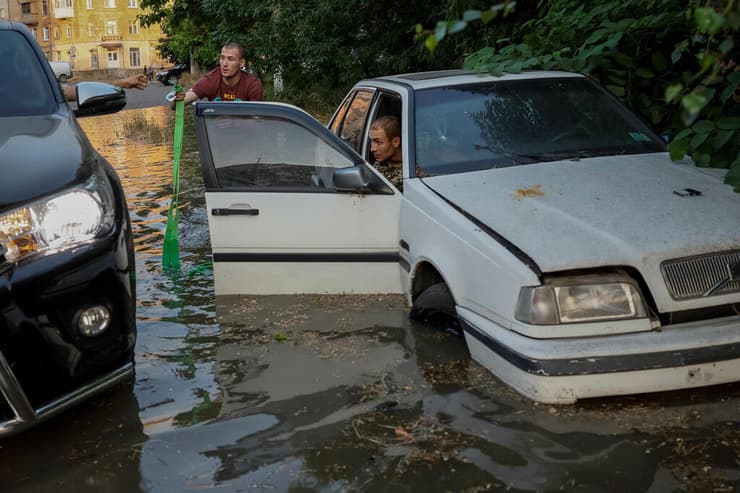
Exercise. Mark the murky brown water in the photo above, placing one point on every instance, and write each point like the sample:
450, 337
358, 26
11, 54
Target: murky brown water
329, 393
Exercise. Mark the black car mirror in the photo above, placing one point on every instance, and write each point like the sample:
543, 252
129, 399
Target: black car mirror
98, 98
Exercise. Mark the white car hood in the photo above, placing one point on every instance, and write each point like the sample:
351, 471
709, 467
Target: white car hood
605, 211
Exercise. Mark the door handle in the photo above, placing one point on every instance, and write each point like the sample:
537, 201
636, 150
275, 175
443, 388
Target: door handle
235, 212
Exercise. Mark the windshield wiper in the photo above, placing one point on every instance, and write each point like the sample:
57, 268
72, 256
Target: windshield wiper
517, 158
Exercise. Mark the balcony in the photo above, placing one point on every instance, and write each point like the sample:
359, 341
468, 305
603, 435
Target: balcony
111, 40
30, 19
64, 12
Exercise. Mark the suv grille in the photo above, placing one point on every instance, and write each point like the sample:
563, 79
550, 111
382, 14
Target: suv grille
706, 275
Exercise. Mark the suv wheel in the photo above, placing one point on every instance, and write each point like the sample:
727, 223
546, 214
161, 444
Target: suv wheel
62, 78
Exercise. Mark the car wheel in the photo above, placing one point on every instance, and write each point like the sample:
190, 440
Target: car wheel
62, 78
435, 304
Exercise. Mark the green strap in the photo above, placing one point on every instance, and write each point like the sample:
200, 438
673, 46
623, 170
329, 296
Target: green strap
171, 249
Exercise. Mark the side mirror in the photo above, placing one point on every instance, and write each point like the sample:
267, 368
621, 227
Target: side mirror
98, 98
350, 179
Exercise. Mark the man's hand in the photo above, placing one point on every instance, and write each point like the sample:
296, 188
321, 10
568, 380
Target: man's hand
138, 81
187, 96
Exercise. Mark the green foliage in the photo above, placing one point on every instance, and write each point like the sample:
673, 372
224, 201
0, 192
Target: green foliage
674, 62
320, 47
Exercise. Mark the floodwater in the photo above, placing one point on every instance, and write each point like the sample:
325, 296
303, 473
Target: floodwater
332, 393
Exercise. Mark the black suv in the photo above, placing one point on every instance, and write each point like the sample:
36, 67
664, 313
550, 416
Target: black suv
67, 287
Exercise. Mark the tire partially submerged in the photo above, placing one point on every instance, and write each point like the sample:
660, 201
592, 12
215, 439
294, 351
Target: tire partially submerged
435, 305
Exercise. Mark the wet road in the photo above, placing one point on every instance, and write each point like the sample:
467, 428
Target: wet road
331, 393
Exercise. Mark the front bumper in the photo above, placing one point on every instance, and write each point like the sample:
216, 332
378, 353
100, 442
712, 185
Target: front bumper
564, 370
46, 364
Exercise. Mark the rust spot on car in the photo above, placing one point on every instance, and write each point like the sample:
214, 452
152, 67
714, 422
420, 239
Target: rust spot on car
533, 191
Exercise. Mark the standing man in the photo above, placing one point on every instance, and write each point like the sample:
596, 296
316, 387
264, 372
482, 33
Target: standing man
385, 145
228, 81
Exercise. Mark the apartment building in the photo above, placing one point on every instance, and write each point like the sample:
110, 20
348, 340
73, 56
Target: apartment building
90, 34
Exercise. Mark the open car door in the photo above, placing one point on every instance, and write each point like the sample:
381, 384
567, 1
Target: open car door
291, 208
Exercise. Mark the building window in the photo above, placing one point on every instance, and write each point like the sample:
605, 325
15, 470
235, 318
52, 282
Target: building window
89, 4
132, 4
25, 8
111, 27
133, 27
35, 35
111, 4
44, 8
46, 33
112, 56
91, 30
69, 31
93, 59
134, 57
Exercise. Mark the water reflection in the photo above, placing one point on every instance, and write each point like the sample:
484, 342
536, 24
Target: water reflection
175, 313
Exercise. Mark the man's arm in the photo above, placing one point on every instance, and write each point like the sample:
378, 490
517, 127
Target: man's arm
138, 81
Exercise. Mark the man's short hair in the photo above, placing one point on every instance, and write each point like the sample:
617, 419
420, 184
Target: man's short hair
390, 124
238, 46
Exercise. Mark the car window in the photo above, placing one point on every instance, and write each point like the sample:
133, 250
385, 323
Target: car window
354, 122
271, 152
490, 125
336, 124
25, 88
386, 104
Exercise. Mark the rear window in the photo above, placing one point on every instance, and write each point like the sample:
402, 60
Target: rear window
24, 88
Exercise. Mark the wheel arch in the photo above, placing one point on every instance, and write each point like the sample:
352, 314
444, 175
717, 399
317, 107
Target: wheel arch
425, 274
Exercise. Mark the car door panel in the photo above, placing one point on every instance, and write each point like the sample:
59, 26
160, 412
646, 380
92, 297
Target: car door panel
277, 223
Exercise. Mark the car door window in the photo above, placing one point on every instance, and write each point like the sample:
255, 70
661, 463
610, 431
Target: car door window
336, 124
271, 152
354, 123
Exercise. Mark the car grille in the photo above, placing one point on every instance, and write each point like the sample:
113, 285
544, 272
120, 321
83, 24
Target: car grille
705, 275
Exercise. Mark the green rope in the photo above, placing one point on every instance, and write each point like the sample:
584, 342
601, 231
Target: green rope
171, 249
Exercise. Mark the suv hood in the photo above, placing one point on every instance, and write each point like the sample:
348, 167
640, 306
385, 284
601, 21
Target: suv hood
605, 211
51, 146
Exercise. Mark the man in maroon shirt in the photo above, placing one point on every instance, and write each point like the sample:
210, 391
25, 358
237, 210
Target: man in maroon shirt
227, 82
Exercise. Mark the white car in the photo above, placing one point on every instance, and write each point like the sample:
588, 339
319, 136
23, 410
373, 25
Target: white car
62, 70
536, 209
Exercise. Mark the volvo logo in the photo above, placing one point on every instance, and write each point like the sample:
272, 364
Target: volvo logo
733, 274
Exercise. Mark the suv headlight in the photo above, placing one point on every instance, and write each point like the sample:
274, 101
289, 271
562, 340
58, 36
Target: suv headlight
580, 299
60, 221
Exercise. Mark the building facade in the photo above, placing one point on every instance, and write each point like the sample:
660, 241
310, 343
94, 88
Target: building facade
90, 34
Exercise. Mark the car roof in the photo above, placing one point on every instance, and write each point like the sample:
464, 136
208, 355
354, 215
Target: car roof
8, 25
445, 78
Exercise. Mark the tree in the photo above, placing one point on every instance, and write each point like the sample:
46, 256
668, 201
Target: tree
674, 62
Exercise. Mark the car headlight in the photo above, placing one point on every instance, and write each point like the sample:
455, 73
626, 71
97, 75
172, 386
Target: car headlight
60, 221
580, 299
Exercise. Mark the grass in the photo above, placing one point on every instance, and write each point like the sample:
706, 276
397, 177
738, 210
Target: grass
137, 126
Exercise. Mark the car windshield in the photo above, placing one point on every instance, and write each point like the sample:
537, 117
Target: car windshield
24, 89
524, 121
